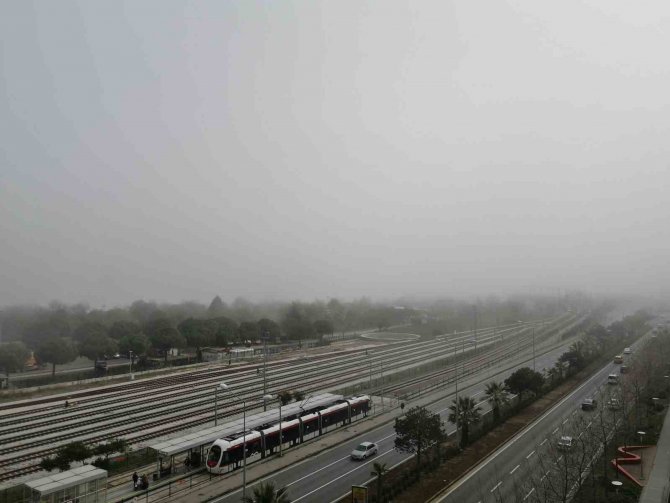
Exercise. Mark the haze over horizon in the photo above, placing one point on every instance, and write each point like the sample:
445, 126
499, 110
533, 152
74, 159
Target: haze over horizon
308, 150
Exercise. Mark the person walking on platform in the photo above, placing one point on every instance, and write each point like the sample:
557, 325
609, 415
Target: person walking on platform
135, 477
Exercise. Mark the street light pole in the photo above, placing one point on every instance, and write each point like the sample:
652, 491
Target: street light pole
370, 365
381, 363
224, 387
265, 361
244, 450
281, 434
456, 367
281, 437
474, 313
533, 347
641, 433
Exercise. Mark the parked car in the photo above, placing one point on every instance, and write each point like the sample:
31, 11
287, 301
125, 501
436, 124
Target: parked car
565, 443
589, 404
364, 450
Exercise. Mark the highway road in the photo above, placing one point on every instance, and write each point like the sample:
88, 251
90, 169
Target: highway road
518, 471
330, 475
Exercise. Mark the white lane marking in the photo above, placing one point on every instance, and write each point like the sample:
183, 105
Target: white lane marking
496, 486
343, 475
589, 425
533, 452
574, 412
555, 431
514, 469
334, 462
529, 493
559, 458
543, 442
565, 420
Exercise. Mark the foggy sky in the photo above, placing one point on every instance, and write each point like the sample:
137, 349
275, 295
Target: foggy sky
284, 150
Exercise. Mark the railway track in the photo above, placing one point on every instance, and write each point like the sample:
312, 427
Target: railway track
294, 374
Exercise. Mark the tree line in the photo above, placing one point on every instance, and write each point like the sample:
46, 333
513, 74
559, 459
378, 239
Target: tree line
59, 333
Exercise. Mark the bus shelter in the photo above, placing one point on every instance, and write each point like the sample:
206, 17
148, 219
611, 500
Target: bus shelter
85, 484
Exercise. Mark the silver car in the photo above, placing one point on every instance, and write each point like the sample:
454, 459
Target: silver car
364, 450
565, 443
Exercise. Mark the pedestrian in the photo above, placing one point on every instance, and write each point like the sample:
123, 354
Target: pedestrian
135, 477
145, 482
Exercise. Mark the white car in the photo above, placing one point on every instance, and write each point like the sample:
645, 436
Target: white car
627, 351
364, 450
565, 443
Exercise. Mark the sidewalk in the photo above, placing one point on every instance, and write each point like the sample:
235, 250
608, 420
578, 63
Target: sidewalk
657, 488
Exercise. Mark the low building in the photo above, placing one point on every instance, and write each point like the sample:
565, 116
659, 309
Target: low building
85, 483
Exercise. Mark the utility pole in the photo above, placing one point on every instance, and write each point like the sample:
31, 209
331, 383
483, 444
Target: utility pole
381, 363
370, 365
533, 347
474, 316
266, 335
456, 367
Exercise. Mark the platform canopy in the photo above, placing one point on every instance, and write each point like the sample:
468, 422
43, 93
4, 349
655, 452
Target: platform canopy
83, 482
206, 436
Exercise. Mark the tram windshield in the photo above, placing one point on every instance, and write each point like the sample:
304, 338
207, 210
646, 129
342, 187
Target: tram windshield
213, 456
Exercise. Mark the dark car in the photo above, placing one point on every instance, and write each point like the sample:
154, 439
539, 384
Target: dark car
589, 404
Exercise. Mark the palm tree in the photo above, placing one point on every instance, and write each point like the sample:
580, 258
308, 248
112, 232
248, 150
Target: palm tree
464, 412
378, 470
554, 375
497, 397
265, 492
559, 369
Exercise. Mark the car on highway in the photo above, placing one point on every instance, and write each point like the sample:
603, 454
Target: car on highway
623, 369
612, 379
613, 404
627, 351
589, 404
565, 443
618, 359
364, 450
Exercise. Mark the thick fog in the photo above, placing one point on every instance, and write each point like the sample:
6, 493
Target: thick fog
282, 150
